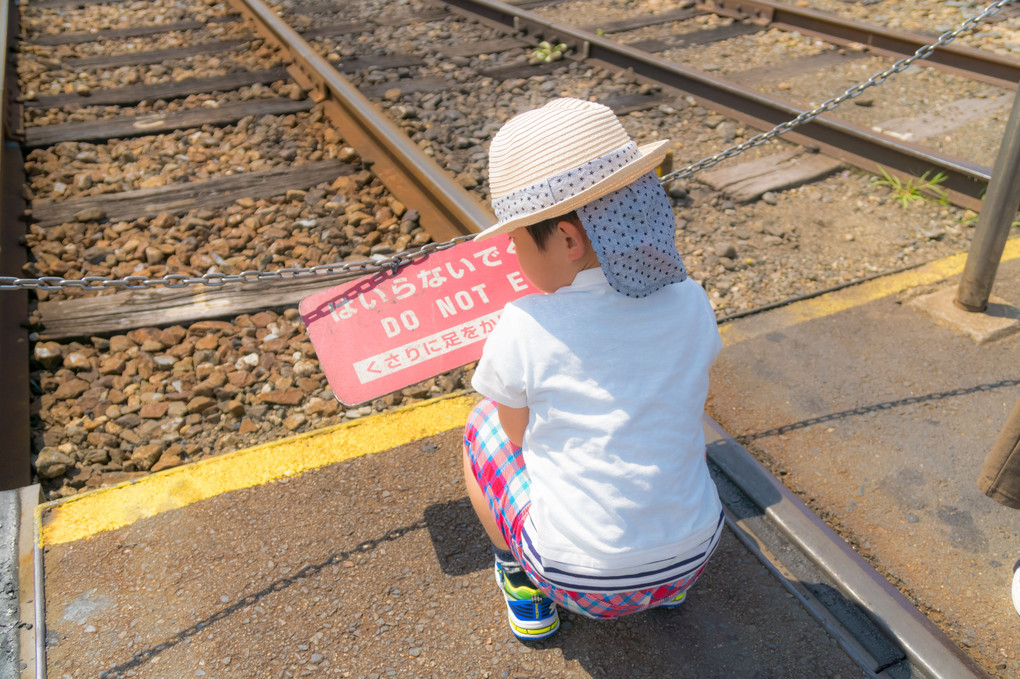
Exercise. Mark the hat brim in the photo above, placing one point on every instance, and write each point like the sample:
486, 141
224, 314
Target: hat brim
651, 156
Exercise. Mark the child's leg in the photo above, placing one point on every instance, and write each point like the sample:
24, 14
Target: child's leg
498, 484
494, 472
481, 506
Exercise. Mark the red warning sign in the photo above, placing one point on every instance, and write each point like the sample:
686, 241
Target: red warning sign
385, 331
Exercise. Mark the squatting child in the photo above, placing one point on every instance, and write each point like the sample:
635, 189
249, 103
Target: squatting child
586, 460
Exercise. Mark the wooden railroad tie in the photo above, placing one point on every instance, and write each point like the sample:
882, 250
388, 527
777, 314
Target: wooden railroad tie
158, 306
173, 90
437, 14
944, 118
522, 71
50, 4
178, 198
483, 47
137, 126
1007, 12
330, 30
152, 57
794, 67
134, 32
532, 4
643, 21
748, 181
704, 37
382, 61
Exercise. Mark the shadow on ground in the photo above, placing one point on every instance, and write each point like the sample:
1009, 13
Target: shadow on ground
738, 622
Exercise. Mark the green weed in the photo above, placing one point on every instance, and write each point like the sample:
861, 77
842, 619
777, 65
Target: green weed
913, 190
547, 52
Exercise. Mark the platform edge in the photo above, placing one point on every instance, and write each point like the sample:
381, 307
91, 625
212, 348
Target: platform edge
32, 641
922, 641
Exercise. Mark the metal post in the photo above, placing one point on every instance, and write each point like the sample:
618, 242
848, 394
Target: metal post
997, 214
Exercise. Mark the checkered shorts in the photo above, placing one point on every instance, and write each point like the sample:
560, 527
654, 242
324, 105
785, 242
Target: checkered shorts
498, 465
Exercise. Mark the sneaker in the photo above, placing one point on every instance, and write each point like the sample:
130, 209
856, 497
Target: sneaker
1016, 587
532, 615
675, 601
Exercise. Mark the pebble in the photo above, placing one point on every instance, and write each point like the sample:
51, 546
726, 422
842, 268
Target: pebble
134, 420
51, 463
725, 249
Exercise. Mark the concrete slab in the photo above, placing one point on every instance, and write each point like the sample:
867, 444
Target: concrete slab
945, 119
1000, 319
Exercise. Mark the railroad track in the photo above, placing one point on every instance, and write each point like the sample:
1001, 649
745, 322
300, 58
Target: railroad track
412, 81
137, 152
132, 170
151, 150
692, 49
247, 139
661, 45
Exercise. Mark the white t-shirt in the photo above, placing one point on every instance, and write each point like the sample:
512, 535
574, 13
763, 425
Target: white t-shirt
614, 446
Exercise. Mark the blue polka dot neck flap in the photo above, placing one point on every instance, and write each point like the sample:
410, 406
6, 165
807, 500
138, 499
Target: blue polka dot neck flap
632, 232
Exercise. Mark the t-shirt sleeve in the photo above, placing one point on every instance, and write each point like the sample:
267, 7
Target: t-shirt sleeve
500, 373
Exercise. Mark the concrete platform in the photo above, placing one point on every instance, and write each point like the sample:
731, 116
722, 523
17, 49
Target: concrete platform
377, 567
879, 418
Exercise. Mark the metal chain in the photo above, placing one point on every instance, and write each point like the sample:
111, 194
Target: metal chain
394, 262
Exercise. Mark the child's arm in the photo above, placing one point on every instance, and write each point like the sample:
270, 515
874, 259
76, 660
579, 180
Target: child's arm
514, 421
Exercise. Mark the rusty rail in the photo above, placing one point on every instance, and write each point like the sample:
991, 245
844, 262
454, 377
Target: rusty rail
447, 210
15, 401
966, 61
858, 146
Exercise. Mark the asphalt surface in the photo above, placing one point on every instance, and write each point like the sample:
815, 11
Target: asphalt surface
377, 567
370, 563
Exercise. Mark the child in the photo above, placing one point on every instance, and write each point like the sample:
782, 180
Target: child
586, 461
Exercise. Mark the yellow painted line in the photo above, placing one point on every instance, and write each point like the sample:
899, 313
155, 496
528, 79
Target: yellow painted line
104, 509
849, 298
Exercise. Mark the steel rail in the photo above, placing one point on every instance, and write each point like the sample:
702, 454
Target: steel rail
15, 455
446, 209
967, 61
853, 144
900, 621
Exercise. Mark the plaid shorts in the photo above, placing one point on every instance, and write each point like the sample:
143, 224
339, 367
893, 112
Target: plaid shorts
498, 465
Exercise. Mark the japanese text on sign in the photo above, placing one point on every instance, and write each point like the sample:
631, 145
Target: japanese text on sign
386, 331
421, 350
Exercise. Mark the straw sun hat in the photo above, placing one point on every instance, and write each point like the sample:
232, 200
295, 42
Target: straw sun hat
548, 161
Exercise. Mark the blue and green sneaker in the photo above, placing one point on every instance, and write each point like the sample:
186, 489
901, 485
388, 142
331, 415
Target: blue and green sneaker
675, 601
532, 615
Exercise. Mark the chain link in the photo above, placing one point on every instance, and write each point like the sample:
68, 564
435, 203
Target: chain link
396, 261
216, 279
